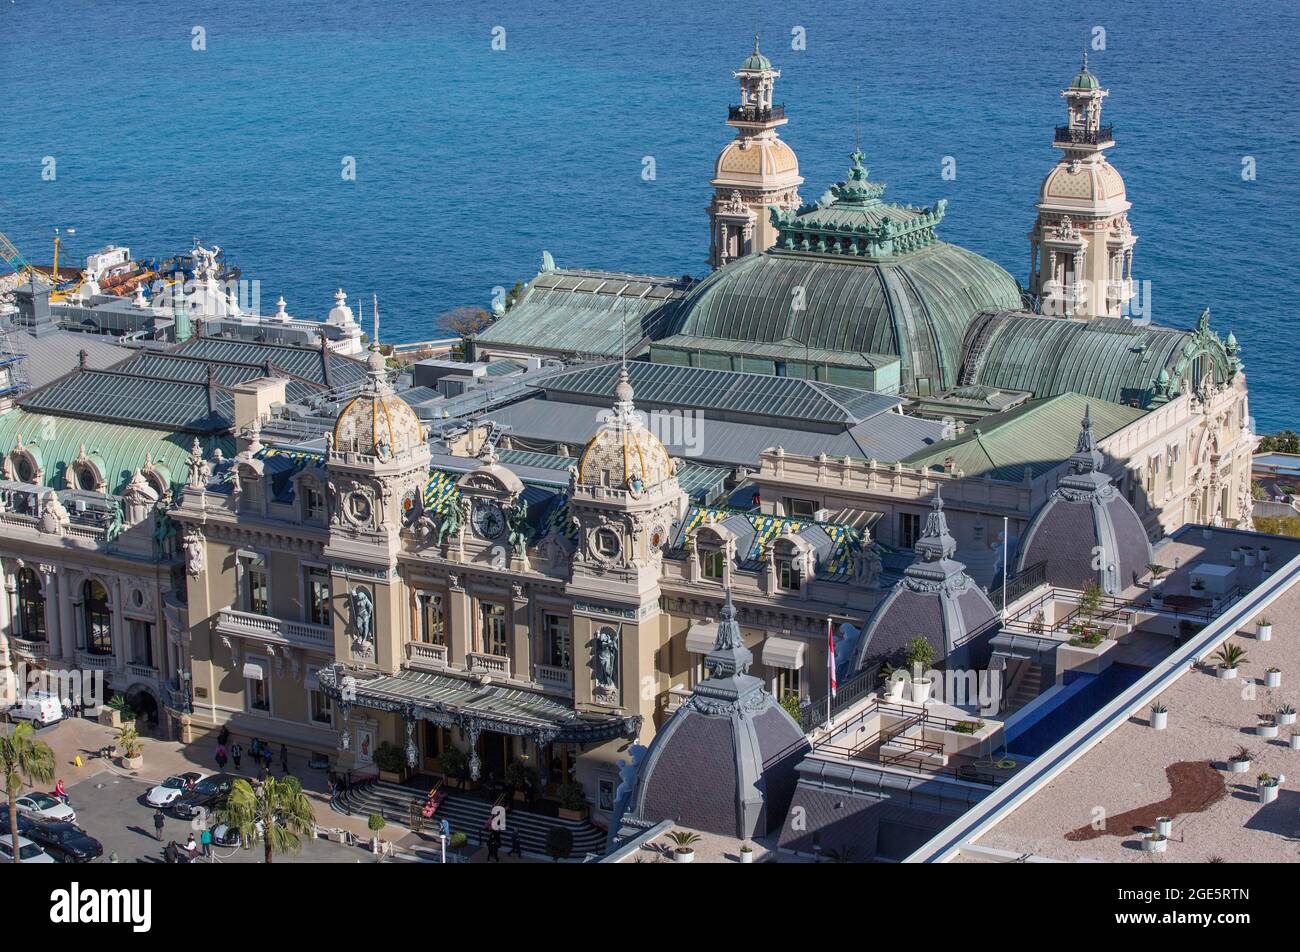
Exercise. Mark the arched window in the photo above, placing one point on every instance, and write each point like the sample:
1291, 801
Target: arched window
31, 606
99, 619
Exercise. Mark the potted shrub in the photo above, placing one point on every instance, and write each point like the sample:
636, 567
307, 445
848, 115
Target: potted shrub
522, 779
1247, 556
1155, 843
391, 761
375, 823
894, 683
683, 845
1273, 678
454, 765
968, 727
457, 843
1157, 573
1295, 740
1164, 825
573, 801
1266, 728
1266, 787
1229, 658
130, 746
1264, 553
111, 714
1236, 553
746, 853
1263, 630
1159, 716
920, 654
1240, 761
1286, 715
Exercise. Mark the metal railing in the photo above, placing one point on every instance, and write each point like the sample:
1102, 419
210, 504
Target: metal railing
1079, 136
813, 714
1023, 582
755, 113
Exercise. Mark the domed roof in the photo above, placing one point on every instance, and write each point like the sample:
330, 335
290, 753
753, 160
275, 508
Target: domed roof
1084, 184
623, 453
935, 598
1084, 79
378, 423
873, 278
725, 761
755, 159
1087, 531
756, 60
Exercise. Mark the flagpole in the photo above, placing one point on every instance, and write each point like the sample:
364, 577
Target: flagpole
830, 667
1005, 567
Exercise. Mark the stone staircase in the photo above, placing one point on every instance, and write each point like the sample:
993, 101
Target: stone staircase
1028, 685
466, 814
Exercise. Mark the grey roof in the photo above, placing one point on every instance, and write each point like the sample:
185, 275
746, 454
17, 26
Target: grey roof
57, 352
171, 366
121, 397
317, 365
753, 395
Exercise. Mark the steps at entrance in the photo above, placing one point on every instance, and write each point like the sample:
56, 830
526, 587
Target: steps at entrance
466, 814
1028, 686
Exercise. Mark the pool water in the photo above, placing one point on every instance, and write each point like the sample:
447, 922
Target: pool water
1083, 695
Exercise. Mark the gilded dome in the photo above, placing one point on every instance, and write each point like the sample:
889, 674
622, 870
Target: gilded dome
378, 423
623, 453
755, 158
1083, 184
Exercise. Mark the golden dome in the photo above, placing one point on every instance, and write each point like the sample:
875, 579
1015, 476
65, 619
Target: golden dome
1083, 184
378, 423
623, 454
756, 159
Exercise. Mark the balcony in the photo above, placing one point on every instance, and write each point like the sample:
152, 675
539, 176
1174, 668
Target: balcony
96, 662
553, 678
138, 670
274, 630
1071, 135
426, 656
755, 113
26, 650
489, 663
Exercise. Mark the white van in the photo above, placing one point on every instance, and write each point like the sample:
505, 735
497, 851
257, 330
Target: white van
39, 707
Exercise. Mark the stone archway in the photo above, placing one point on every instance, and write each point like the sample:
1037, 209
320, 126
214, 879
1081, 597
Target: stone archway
144, 700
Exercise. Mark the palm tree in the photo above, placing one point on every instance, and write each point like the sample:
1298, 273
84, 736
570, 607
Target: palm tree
1230, 655
276, 812
23, 760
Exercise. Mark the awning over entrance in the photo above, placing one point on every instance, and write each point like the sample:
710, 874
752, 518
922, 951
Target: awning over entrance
456, 702
701, 636
783, 652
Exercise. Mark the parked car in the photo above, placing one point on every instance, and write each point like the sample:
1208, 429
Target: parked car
209, 794
172, 789
223, 835
39, 707
25, 822
28, 851
66, 842
46, 806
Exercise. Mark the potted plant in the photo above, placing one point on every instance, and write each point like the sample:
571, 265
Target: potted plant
1247, 556
1267, 727
573, 801
1295, 740
1155, 843
1264, 553
375, 823
968, 727
893, 679
454, 765
1236, 553
521, 779
683, 843
1229, 658
1266, 787
1157, 573
746, 853
920, 654
1159, 716
1263, 630
1273, 677
391, 761
1240, 761
559, 842
131, 747
112, 713
1164, 825
1286, 715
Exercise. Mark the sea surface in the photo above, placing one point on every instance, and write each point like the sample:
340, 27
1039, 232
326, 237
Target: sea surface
470, 161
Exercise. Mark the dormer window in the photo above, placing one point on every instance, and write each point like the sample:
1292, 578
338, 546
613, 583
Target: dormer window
313, 504
788, 576
713, 564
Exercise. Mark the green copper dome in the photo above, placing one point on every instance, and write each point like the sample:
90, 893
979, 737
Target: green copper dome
1084, 79
854, 275
756, 59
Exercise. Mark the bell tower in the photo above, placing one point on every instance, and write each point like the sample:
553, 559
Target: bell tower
755, 170
1081, 246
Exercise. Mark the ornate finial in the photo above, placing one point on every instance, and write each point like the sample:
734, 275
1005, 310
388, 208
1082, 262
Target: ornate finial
729, 637
83, 359
1085, 61
1087, 458
755, 41
936, 542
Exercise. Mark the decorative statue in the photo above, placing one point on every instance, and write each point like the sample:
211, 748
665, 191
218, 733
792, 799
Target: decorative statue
605, 658
449, 526
53, 514
866, 566
114, 527
520, 531
198, 469
193, 543
363, 614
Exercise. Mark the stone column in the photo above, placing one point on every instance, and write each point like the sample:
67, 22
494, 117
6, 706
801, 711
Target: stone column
521, 654
56, 639
460, 639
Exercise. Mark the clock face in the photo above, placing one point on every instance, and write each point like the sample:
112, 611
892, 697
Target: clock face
488, 520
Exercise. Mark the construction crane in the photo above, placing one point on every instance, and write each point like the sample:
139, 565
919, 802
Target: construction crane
13, 376
13, 257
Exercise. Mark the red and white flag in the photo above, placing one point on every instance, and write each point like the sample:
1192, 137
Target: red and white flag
830, 655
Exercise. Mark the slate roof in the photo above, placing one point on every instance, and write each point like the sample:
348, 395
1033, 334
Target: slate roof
1039, 435
55, 353
113, 397
322, 367
180, 367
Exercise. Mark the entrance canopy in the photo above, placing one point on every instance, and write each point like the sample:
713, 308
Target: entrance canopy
456, 702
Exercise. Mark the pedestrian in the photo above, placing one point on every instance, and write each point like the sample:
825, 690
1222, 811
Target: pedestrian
224, 737
484, 829
261, 772
284, 759
236, 753
205, 838
494, 846
60, 791
191, 847
158, 820
221, 757
515, 847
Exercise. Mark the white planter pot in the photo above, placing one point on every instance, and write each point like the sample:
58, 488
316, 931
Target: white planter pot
1264, 556
133, 763
1226, 673
1248, 559
1157, 599
1236, 555
1263, 632
1239, 766
1266, 730
1159, 720
1164, 825
1272, 679
1286, 720
747, 856
683, 856
1154, 846
921, 690
1266, 794
1207, 533
895, 690
1295, 741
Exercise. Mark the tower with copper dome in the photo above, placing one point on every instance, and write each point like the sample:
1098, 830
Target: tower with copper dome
1081, 246
755, 170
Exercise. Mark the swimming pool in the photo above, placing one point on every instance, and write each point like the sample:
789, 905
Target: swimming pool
1081, 696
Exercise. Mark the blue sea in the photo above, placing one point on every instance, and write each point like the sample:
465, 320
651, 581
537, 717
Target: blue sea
470, 161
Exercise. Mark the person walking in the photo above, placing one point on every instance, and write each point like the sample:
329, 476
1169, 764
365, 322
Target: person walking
221, 757
224, 737
205, 840
60, 791
158, 820
236, 753
494, 846
516, 848
284, 759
